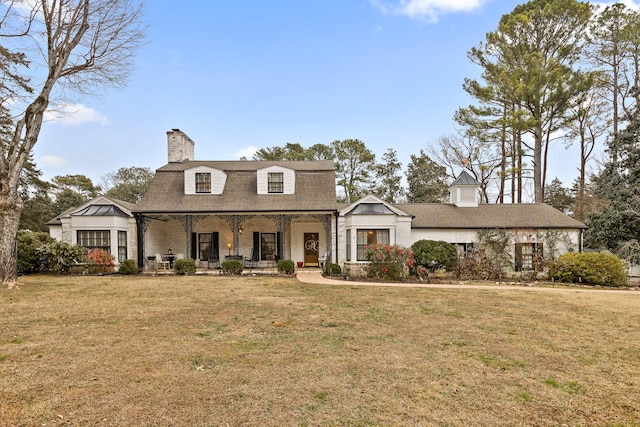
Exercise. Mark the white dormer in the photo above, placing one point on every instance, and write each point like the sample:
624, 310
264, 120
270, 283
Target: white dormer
204, 180
276, 180
464, 191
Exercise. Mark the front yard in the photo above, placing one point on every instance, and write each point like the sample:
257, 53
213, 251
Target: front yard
270, 351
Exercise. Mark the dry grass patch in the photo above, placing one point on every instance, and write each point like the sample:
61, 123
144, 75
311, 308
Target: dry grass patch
271, 351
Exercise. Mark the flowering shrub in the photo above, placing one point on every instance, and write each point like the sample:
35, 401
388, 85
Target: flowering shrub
100, 258
389, 262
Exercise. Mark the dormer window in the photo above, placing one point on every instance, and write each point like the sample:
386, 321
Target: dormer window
203, 182
275, 182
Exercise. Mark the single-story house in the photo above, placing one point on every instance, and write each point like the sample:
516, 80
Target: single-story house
263, 211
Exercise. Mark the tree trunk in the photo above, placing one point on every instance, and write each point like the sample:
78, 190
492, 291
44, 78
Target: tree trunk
538, 190
10, 210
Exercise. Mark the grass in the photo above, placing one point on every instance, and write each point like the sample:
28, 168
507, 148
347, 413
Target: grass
248, 351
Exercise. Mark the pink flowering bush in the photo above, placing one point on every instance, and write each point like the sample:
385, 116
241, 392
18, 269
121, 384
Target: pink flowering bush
390, 262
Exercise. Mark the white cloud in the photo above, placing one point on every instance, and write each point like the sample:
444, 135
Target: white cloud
247, 152
74, 115
53, 161
428, 9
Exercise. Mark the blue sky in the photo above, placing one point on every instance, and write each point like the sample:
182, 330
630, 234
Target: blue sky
239, 75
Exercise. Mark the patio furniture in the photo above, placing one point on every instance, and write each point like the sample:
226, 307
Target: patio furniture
214, 262
161, 262
251, 261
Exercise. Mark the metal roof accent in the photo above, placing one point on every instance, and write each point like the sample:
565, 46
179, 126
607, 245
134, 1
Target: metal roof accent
371, 209
100, 210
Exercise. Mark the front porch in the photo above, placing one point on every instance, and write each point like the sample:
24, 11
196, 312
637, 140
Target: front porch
257, 240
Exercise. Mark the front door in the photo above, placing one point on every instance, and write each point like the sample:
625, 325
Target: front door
311, 249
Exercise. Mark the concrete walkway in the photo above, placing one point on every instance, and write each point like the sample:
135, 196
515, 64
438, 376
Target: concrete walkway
317, 278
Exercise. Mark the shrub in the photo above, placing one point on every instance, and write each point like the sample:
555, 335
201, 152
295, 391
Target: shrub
128, 267
332, 269
435, 255
286, 266
185, 266
595, 268
388, 262
59, 256
478, 264
99, 258
232, 266
28, 244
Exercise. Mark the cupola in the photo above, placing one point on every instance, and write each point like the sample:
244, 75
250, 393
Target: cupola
464, 191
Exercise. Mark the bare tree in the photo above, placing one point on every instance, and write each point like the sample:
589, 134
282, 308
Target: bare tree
72, 47
480, 158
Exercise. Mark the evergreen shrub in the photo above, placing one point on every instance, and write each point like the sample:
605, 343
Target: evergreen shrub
128, 267
332, 269
59, 257
28, 244
435, 255
232, 266
184, 266
595, 268
286, 266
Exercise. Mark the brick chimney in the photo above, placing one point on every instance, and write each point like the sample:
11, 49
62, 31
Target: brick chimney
180, 146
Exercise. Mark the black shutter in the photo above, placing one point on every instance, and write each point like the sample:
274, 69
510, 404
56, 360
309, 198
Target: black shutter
194, 246
215, 243
278, 245
518, 253
256, 245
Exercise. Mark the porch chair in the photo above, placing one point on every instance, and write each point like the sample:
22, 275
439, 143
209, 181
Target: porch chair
161, 263
250, 261
323, 259
213, 262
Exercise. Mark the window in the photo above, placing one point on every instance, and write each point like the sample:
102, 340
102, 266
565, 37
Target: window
204, 246
275, 182
367, 238
122, 246
268, 246
464, 248
90, 239
203, 182
527, 255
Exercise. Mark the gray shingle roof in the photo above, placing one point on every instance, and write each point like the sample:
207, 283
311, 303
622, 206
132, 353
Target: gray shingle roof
314, 189
538, 215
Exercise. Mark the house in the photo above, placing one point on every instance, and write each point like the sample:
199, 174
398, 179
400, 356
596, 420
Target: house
102, 222
259, 211
529, 229
263, 211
